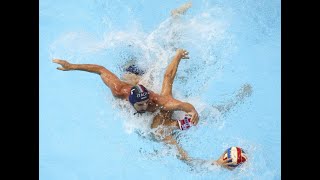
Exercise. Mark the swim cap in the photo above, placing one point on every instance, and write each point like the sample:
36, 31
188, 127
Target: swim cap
138, 93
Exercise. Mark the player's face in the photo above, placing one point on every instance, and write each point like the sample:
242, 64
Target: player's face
141, 106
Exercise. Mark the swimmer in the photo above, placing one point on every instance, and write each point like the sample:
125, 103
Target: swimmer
141, 98
164, 125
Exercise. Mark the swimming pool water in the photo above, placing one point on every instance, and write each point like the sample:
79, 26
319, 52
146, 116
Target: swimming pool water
232, 78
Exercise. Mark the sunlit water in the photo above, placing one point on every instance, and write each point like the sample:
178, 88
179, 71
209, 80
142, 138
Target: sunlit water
232, 78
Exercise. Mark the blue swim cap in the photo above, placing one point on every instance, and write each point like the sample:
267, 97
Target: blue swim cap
138, 93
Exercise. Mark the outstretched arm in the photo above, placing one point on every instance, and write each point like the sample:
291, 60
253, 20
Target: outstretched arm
183, 155
171, 72
111, 80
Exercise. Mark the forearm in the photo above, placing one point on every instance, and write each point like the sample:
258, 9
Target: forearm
172, 68
190, 110
183, 155
171, 72
177, 105
106, 75
186, 107
111, 80
87, 67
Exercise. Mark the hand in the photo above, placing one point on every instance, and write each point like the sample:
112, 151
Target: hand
194, 117
65, 64
182, 54
224, 163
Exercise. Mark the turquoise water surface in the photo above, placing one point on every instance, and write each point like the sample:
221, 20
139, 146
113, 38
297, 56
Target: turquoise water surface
233, 78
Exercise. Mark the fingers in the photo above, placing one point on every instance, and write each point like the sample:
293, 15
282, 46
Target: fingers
59, 61
226, 161
229, 168
63, 63
56, 61
229, 163
185, 54
61, 68
223, 154
194, 121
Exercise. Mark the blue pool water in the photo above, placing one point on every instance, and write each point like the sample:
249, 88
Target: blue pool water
233, 78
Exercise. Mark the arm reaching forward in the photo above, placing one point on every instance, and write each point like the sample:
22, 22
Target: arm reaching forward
112, 81
183, 155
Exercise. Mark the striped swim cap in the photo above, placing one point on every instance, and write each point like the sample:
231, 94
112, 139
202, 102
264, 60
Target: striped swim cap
138, 93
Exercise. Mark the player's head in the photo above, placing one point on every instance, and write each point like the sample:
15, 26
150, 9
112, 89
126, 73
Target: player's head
139, 98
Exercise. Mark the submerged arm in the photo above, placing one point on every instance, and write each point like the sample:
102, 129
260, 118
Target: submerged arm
183, 156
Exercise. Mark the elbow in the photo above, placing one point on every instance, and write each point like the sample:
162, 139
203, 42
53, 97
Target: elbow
117, 92
168, 76
101, 70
